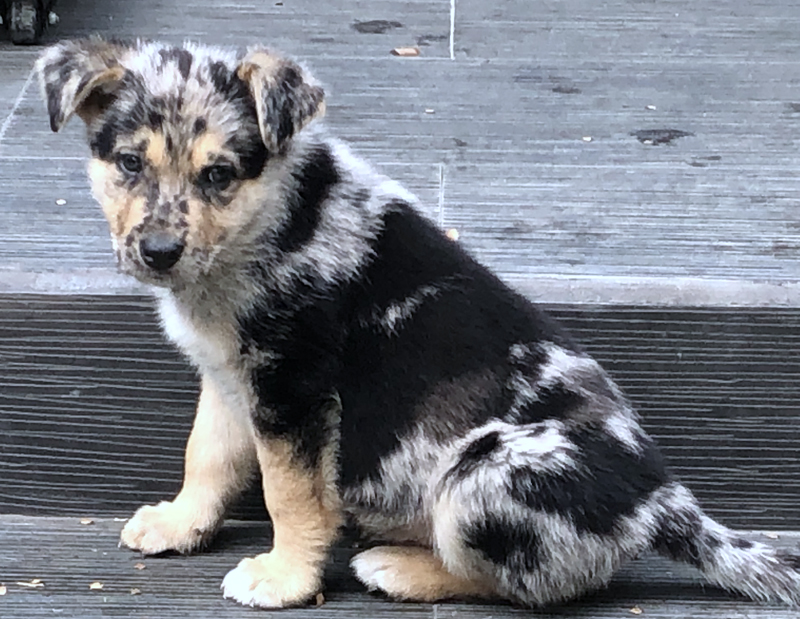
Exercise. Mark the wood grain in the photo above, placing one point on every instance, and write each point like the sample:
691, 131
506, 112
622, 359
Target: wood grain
68, 556
95, 407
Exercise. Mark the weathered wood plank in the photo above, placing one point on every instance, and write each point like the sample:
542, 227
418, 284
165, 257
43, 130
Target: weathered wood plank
531, 197
673, 30
95, 407
68, 556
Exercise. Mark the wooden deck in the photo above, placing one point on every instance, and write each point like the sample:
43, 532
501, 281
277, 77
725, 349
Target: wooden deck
632, 164
67, 557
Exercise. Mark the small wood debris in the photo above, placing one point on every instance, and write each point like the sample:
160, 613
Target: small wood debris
636, 610
429, 110
452, 234
3, 589
135, 591
33, 584
406, 52
319, 600
96, 586
650, 107
587, 138
120, 520
61, 202
771, 535
647, 142
87, 521
139, 566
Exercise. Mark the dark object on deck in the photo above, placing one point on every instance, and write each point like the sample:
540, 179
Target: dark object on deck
26, 20
659, 136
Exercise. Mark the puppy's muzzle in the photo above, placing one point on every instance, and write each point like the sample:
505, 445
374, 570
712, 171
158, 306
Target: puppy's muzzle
161, 251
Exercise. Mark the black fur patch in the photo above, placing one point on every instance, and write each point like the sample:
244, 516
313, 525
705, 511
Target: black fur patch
610, 482
102, 144
741, 543
183, 58
199, 126
227, 83
681, 537
155, 120
389, 378
515, 546
474, 455
294, 392
553, 401
313, 181
789, 556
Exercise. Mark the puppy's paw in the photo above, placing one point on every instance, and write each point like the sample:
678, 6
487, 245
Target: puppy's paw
388, 569
269, 582
167, 526
409, 573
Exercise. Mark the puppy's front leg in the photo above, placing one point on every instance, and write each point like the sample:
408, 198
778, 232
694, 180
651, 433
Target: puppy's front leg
302, 498
220, 458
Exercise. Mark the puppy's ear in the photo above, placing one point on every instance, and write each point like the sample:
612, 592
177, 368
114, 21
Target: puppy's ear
287, 97
78, 77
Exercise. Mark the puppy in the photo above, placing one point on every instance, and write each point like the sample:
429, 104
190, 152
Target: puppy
365, 363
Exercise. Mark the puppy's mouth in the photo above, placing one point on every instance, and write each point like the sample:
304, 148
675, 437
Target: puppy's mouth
147, 275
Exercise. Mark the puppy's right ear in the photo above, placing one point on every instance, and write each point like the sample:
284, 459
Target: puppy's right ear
79, 77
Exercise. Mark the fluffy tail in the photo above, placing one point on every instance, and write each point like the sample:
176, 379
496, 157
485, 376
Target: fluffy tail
726, 559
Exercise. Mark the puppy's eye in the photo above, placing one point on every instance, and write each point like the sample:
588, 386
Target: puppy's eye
216, 177
130, 164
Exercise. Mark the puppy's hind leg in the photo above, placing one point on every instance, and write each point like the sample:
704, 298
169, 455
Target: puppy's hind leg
220, 458
414, 573
522, 509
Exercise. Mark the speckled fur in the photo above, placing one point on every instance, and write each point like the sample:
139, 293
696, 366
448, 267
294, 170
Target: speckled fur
366, 363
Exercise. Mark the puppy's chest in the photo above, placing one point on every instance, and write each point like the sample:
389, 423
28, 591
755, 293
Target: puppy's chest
212, 346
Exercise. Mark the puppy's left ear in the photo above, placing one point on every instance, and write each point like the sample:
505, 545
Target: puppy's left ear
287, 98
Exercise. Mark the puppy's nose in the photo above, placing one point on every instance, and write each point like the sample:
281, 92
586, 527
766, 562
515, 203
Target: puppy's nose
160, 251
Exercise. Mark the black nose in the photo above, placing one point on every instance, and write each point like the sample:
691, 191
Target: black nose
160, 251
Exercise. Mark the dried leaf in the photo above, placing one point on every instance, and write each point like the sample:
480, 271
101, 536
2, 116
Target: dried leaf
61, 202
429, 110
406, 52
87, 521
771, 535
33, 584
452, 234
3, 589
96, 585
120, 520
587, 138
636, 610
135, 591
139, 566
320, 599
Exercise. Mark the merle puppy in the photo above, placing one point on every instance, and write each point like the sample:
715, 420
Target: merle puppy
365, 363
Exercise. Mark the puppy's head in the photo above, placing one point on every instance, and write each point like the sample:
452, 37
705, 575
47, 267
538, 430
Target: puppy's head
186, 144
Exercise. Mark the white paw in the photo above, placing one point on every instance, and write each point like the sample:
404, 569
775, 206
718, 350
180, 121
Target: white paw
267, 582
372, 569
154, 529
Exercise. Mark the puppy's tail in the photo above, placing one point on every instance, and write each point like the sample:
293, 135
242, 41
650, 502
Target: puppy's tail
726, 559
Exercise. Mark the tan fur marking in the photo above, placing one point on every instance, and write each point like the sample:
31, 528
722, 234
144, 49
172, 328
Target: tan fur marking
303, 506
122, 210
86, 105
259, 60
306, 517
156, 152
204, 147
412, 573
220, 457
